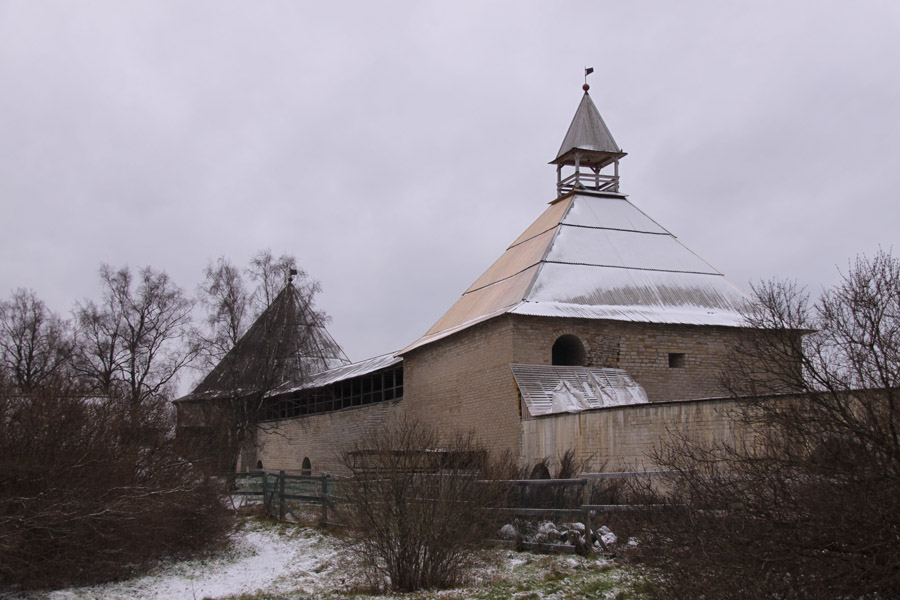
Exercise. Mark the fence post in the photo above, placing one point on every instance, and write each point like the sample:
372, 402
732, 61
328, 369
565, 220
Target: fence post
324, 501
281, 495
586, 499
265, 493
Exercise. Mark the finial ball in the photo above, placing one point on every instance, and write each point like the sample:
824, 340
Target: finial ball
585, 87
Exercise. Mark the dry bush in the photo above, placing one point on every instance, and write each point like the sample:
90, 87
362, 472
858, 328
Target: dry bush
86, 495
808, 504
417, 505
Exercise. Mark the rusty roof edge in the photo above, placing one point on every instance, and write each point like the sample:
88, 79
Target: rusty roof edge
426, 339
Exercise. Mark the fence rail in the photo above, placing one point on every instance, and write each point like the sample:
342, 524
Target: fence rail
283, 493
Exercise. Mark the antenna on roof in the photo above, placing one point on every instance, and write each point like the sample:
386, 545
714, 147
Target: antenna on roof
587, 71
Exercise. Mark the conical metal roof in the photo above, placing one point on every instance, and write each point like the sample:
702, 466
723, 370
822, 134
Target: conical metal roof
597, 257
589, 134
286, 345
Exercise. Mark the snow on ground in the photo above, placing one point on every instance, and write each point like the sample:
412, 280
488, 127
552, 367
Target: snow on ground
275, 559
263, 557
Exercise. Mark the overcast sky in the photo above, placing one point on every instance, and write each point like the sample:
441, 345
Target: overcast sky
397, 148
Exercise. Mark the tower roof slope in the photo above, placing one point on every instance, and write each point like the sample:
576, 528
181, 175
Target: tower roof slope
597, 257
589, 132
286, 345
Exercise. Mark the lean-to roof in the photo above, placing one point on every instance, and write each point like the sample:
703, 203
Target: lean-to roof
596, 256
548, 390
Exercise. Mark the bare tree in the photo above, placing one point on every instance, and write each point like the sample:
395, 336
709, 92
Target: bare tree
285, 345
270, 274
35, 344
137, 340
806, 504
228, 305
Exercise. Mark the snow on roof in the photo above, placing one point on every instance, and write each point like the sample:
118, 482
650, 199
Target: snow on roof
548, 390
597, 257
342, 373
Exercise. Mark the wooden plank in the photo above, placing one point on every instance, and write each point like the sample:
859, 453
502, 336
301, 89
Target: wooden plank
538, 512
314, 499
540, 482
621, 507
557, 548
624, 474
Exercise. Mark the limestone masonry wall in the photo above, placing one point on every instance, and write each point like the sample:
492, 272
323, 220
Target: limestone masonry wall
284, 444
642, 349
620, 438
464, 383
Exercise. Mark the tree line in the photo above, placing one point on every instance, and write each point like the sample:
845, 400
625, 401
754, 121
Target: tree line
93, 483
135, 340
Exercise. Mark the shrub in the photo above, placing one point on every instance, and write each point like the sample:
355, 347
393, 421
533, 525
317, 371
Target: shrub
89, 490
418, 507
807, 505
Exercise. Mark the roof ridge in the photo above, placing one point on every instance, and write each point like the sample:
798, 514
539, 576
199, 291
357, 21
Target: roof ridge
625, 267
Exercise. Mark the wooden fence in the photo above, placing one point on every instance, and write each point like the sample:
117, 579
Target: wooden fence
283, 494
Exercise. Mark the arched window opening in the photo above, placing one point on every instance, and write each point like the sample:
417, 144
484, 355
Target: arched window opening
568, 351
259, 465
307, 467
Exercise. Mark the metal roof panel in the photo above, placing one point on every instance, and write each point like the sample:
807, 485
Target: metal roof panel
486, 301
549, 219
553, 389
342, 373
588, 131
515, 260
611, 247
609, 212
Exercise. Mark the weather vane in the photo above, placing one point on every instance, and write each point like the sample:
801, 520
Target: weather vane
587, 71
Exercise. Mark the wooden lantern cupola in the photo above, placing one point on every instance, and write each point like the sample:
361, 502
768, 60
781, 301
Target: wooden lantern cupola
590, 149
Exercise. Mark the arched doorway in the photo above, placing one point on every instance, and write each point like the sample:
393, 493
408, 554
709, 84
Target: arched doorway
307, 467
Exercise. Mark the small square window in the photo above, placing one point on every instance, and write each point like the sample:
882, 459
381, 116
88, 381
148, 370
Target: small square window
676, 360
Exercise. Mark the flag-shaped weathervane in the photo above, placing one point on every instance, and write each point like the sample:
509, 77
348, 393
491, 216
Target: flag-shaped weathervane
587, 71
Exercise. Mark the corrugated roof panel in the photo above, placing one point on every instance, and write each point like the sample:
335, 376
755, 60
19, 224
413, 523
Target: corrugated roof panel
607, 260
613, 213
631, 294
346, 372
548, 220
588, 131
516, 259
486, 301
552, 389
635, 314
610, 247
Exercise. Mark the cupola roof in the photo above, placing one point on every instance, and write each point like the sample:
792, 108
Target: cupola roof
588, 136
